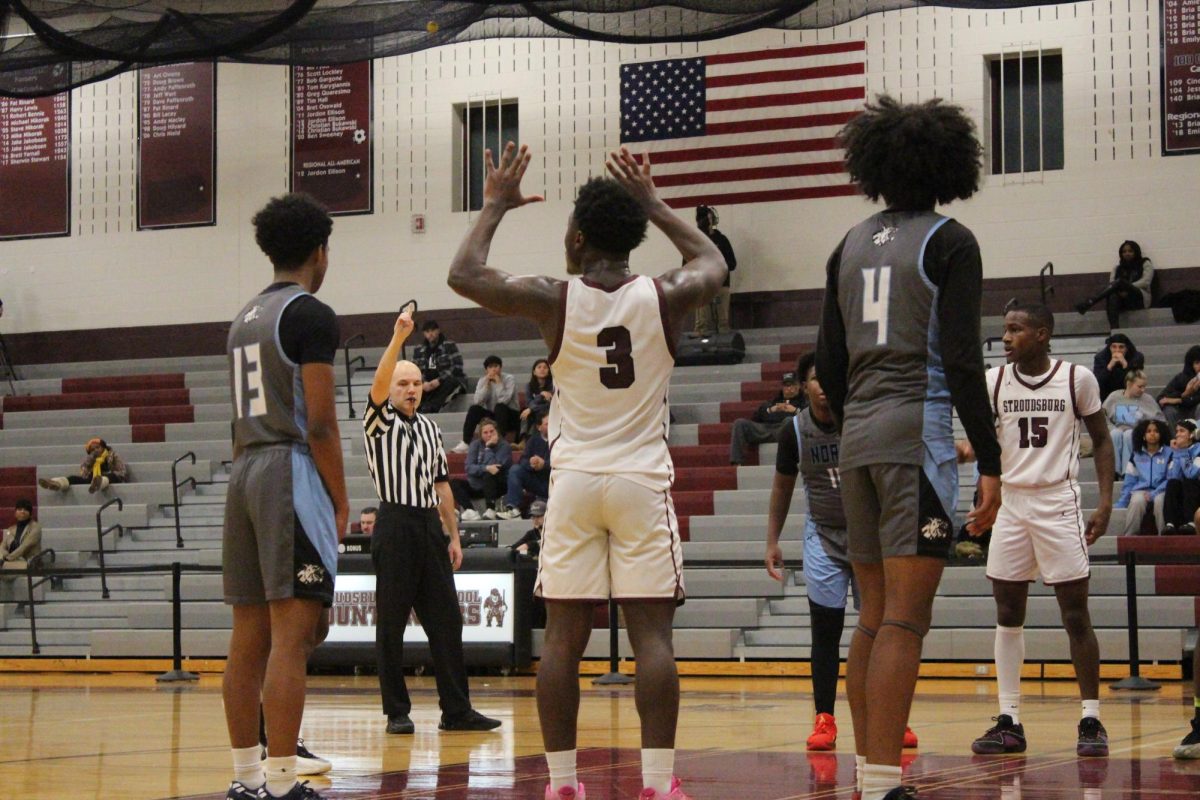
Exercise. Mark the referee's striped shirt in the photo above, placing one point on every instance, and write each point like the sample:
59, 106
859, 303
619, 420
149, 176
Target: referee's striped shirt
405, 456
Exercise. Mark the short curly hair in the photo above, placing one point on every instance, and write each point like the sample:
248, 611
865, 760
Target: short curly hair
804, 364
610, 219
289, 228
914, 155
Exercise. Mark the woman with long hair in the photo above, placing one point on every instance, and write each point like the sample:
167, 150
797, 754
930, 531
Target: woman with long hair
1129, 285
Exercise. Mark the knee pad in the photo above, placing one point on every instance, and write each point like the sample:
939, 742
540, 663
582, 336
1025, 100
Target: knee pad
908, 626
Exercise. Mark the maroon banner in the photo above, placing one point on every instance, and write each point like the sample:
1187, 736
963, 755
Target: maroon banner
35, 167
1181, 76
331, 136
177, 146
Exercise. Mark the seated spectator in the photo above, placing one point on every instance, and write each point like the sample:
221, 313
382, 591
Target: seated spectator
101, 467
1114, 362
769, 418
1145, 476
531, 543
496, 399
1179, 399
1124, 410
488, 462
531, 474
22, 540
1182, 497
366, 520
538, 394
441, 366
1129, 285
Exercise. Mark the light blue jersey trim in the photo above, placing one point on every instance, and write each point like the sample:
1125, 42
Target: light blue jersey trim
943, 477
314, 508
937, 430
827, 582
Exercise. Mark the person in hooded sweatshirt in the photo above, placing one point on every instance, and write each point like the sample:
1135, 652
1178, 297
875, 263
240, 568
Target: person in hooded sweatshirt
1116, 359
1129, 286
1181, 395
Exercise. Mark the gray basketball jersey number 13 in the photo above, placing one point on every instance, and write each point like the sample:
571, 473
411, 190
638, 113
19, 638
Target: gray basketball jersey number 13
268, 397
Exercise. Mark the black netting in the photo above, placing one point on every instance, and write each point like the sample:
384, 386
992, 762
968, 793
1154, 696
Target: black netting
50, 45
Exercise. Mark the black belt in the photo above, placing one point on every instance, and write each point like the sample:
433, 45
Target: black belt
401, 508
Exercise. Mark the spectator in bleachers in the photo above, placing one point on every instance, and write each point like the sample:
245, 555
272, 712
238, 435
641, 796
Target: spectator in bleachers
768, 419
538, 394
1129, 285
488, 461
1145, 483
366, 520
531, 543
706, 321
1115, 361
1179, 399
1125, 409
101, 467
496, 399
441, 366
1182, 496
22, 540
531, 474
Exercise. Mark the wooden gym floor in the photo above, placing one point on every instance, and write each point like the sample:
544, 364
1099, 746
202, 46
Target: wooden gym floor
122, 736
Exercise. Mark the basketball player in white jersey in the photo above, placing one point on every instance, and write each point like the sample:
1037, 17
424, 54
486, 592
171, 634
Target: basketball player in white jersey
610, 525
1038, 402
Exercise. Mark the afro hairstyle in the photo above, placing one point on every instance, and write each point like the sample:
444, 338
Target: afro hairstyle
289, 228
913, 155
609, 217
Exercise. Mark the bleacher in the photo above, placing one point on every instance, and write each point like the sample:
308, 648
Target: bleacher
153, 411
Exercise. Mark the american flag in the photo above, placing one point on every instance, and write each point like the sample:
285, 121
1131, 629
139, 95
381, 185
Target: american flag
745, 127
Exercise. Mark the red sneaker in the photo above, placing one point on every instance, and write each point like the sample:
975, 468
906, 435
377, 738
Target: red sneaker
566, 793
824, 735
676, 793
910, 738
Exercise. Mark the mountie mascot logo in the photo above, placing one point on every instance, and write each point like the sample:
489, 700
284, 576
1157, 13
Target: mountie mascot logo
496, 608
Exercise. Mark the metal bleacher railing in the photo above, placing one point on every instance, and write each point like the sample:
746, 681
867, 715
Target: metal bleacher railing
176, 484
100, 534
357, 361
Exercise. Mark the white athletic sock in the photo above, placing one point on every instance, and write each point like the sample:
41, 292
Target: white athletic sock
281, 775
562, 770
1010, 655
878, 780
248, 766
859, 763
658, 766
1091, 708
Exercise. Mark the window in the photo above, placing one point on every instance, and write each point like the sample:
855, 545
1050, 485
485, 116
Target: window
481, 125
1026, 111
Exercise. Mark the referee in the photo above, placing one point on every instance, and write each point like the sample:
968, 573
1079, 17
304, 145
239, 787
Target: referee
413, 566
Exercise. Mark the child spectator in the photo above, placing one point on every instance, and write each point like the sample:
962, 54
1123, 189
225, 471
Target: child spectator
101, 467
1124, 410
1182, 496
1145, 476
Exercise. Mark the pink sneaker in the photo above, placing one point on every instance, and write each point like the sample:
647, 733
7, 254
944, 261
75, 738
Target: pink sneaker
566, 793
676, 793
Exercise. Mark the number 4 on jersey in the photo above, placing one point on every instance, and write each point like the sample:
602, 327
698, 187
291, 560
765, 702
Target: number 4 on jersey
875, 300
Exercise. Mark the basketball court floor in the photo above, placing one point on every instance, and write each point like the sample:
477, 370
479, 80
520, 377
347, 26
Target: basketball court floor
121, 736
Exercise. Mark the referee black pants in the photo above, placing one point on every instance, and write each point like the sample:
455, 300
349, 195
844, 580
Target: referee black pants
413, 573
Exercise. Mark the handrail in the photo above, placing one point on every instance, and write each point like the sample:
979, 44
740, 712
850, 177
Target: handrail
32, 566
357, 360
175, 484
1046, 290
100, 534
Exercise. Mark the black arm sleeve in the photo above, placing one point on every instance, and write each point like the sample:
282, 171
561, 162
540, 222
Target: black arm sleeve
787, 456
833, 357
308, 331
953, 263
722, 243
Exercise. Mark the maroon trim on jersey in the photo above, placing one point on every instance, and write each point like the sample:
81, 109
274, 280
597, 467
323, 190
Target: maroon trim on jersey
591, 284
1071, 382
670, 511
562, 323
1043, 381
996, 392
666, 318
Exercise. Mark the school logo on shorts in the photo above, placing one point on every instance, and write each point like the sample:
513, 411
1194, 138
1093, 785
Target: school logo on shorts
884, 235
310, 574
935, 528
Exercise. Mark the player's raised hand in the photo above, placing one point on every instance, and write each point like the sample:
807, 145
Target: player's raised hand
983, 515
774, 561
633, 176
502, 184
1098, 525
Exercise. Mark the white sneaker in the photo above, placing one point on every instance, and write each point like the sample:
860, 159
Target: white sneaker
509, 513
309, 764
470, 515
461, 447
489, 513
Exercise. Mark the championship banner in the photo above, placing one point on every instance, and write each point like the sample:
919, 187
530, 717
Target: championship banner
331, 154
177, 146
35, 167
1180, 100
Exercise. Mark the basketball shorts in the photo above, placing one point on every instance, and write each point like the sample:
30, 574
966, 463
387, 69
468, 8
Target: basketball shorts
608, 536
1039, 532
900, 510
280, 538
828, 578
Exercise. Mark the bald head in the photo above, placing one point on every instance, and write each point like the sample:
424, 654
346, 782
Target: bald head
406, 389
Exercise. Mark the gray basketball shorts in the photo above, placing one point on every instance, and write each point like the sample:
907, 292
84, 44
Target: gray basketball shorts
280, 538
899, 510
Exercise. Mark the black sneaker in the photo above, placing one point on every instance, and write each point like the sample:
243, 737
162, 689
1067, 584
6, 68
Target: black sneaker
471, 721
1168, 529
239, 791
1093, 739
301, 791
1190, 746
400, 723
1187, 529
1003, 737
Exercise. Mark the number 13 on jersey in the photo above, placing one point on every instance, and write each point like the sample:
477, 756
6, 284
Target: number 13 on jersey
875, 299
249, 400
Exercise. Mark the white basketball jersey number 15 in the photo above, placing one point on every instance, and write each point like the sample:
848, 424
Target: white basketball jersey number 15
875, 300
247, 382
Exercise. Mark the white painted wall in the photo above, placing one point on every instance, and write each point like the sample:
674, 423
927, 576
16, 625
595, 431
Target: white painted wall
1114, 186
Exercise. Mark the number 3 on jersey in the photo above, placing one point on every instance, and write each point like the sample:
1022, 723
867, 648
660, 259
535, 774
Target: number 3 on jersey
875, 300
249, 400
619, 345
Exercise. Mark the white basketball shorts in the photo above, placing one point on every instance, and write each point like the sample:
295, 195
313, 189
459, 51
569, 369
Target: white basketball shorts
1039, 532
